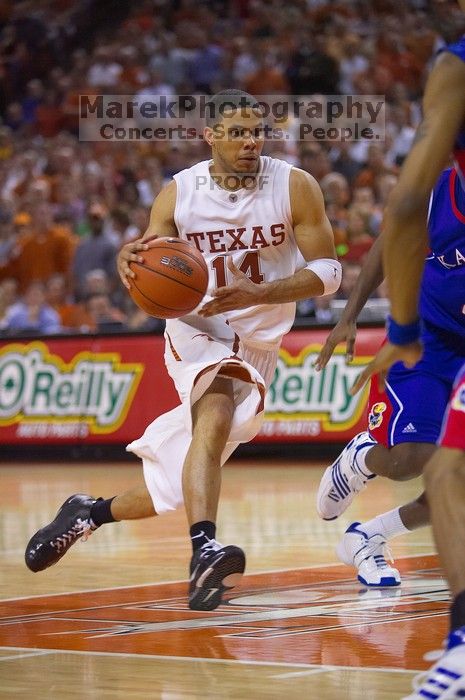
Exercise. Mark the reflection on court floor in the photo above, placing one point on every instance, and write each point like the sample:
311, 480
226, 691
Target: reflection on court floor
306, 616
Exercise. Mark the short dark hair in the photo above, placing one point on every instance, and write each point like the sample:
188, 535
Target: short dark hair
226, 100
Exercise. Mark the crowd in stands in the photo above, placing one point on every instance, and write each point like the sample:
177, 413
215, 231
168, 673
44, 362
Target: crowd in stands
66, 206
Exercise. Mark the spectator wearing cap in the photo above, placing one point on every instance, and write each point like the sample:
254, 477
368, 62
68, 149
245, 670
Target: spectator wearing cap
41, 248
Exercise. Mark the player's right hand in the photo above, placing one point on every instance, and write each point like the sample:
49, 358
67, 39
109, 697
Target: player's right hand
388, 355
130, 252
342, 331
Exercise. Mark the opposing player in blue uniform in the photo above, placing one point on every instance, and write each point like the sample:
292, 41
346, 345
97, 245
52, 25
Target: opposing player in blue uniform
404, 246
404, 420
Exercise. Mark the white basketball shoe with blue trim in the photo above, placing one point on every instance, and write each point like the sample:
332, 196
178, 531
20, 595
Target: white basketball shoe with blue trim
343, 479
446, 679
366, 554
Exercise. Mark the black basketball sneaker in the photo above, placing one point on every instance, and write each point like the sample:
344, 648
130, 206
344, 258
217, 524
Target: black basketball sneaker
50, 543
214, 569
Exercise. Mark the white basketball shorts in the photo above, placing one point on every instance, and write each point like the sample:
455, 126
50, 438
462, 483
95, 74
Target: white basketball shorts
194, 356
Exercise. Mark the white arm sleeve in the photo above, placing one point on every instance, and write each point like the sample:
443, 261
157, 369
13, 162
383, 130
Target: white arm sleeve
329, 271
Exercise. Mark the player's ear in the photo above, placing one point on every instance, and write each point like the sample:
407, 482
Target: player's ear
208, 135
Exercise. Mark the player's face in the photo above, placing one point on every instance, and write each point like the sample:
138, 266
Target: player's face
237, 142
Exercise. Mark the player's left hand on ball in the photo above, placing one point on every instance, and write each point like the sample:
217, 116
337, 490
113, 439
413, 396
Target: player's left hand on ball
238, 295
130, 252
386, 356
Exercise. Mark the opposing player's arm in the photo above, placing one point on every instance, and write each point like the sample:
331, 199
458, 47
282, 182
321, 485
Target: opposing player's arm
370, 277
161, 224
405, 224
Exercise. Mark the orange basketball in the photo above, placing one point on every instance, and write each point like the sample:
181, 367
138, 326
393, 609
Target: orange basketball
171, 281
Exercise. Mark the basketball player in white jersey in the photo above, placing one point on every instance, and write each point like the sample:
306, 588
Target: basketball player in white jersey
262, 228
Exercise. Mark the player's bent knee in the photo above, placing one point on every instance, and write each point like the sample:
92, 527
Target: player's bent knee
212, 419
408, 460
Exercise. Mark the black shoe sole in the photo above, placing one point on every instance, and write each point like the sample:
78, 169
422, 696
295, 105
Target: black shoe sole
37, 560
209, 595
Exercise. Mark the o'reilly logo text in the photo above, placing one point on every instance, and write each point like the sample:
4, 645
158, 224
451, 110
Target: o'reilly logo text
299, 391
95, 388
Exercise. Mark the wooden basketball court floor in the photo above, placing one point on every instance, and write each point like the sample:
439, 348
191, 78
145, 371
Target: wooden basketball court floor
111, 621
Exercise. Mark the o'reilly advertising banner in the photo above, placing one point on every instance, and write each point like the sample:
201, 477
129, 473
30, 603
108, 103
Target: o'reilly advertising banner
305, 405
106, 390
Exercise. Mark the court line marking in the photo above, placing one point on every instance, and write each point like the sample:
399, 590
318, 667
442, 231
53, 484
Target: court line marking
331, 669
38, 652
234, 614
202, 659
184, 580
165, 583
329, 610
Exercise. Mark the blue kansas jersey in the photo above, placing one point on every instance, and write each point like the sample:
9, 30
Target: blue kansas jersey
442, 300
413, 406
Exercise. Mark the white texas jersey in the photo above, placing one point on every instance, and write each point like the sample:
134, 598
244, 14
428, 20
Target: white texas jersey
252, 225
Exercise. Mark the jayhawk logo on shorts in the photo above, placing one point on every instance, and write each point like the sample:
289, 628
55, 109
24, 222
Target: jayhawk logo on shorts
458, 402
376, 415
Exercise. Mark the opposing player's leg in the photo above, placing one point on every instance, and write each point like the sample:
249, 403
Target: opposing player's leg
404, 421
445, 488
78, 517
361, 460
365, 545
403, 427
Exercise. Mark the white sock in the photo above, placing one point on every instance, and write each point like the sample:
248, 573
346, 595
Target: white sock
361, 464
388, 525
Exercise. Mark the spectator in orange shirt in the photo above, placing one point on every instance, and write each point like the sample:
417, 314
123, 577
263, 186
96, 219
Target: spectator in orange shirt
267, 79
41, 250
73, 316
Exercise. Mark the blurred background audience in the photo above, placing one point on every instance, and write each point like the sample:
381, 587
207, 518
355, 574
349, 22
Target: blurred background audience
66, 206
